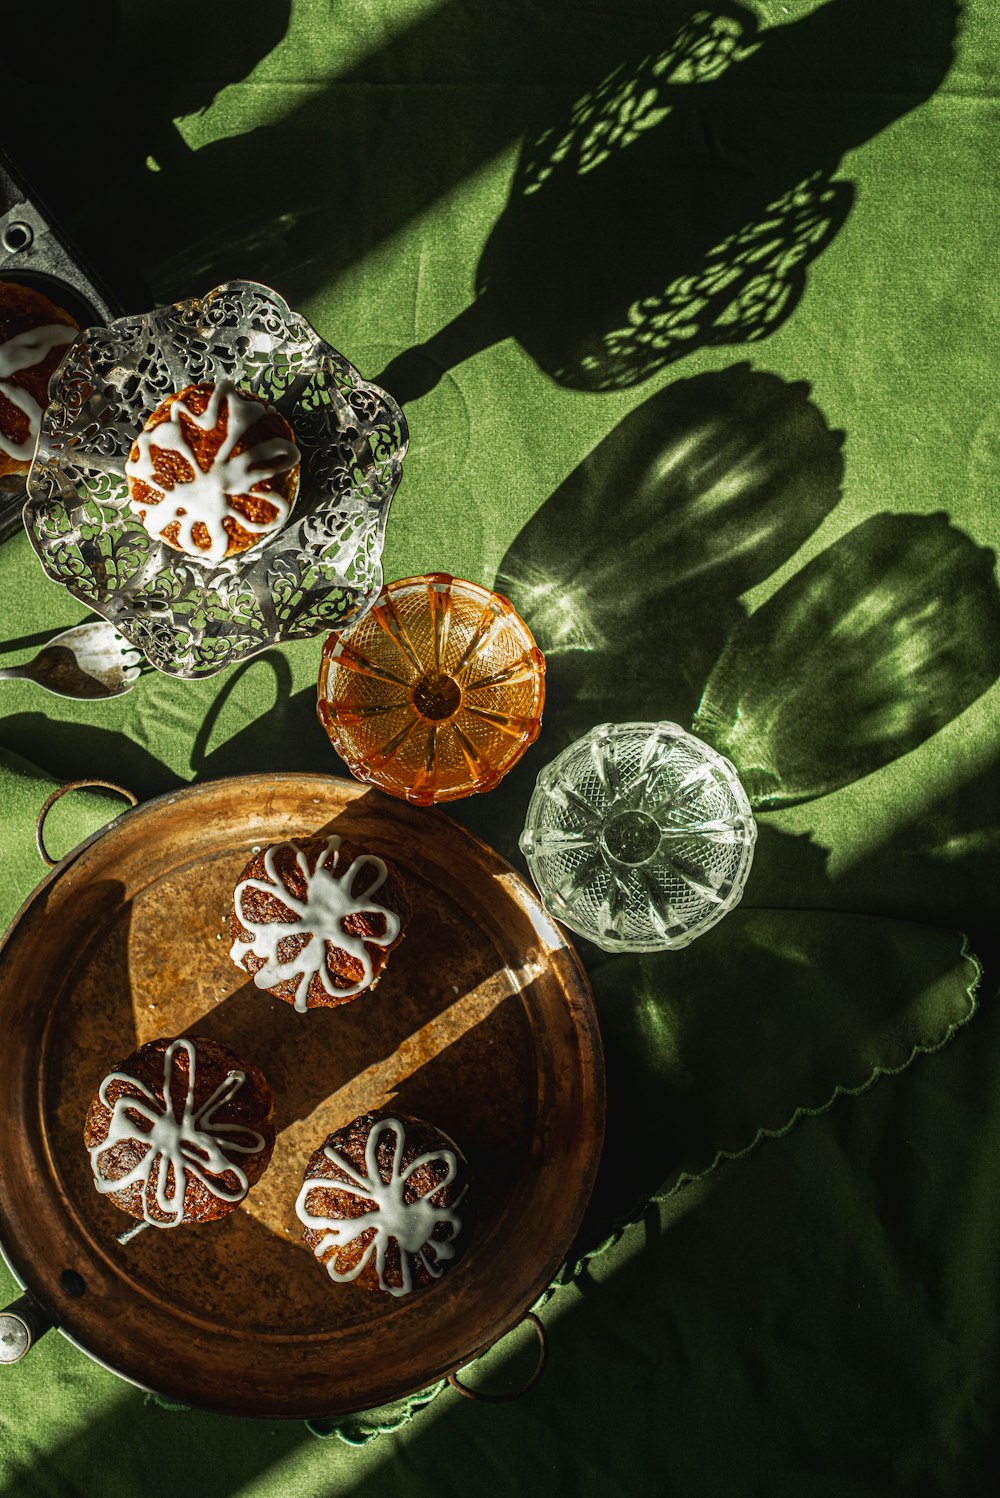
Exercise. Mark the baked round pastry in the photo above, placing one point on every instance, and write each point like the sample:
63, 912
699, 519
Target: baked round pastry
314, 920
385, 1203
180, 1131
213, 471
34, 336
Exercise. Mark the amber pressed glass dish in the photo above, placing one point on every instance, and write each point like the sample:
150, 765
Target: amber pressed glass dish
436, 692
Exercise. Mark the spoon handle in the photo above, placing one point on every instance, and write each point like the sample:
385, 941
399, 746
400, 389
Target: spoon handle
14, 673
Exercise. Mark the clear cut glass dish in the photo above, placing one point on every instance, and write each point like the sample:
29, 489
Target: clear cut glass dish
639, 836
322, 570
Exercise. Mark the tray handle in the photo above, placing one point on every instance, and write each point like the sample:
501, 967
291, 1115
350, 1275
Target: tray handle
60, 790
21, 1325
464, 1389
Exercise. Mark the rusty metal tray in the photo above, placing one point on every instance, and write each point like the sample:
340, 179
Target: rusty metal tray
483, 1023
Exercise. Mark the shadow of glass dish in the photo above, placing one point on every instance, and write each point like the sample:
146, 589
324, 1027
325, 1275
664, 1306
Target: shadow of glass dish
872, 647
629, 576
696, 496
682, 200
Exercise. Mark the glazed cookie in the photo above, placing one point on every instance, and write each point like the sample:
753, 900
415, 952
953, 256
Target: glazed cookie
213, 471
385, 1203
34, 336
180, 1131
314, 920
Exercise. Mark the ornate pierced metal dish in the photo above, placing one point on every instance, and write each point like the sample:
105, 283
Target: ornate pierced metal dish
320, 572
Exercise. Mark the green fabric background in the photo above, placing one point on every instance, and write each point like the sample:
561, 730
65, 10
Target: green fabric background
818, 1316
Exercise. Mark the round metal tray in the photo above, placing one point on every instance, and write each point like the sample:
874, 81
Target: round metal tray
482, 1023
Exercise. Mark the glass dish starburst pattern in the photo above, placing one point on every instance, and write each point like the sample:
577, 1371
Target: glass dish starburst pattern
436, 692
639, 836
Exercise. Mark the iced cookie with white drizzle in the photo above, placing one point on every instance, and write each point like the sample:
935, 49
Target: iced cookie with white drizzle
214, 471
314, 920
180, 1131
385, 1203
34, 336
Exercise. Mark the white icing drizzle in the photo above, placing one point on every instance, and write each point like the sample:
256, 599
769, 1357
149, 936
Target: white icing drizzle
411, 1224
320, 916
20, 353
206, 497
182, 1146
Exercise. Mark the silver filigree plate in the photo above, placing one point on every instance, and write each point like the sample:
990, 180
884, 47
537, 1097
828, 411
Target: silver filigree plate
320, 572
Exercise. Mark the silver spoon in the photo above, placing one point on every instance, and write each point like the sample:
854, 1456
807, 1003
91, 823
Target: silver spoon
90, 660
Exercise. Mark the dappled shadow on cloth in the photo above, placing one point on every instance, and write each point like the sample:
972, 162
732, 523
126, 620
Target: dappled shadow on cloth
358, 148
681, 201
676, 203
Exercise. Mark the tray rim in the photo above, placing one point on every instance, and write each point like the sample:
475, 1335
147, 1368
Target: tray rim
585, 1024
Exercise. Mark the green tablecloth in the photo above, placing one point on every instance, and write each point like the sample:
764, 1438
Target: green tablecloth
722, 422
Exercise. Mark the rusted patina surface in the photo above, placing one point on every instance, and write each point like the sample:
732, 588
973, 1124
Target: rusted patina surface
482, 1023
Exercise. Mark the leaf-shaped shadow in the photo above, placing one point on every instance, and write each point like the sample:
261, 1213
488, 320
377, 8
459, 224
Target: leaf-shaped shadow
867, 651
